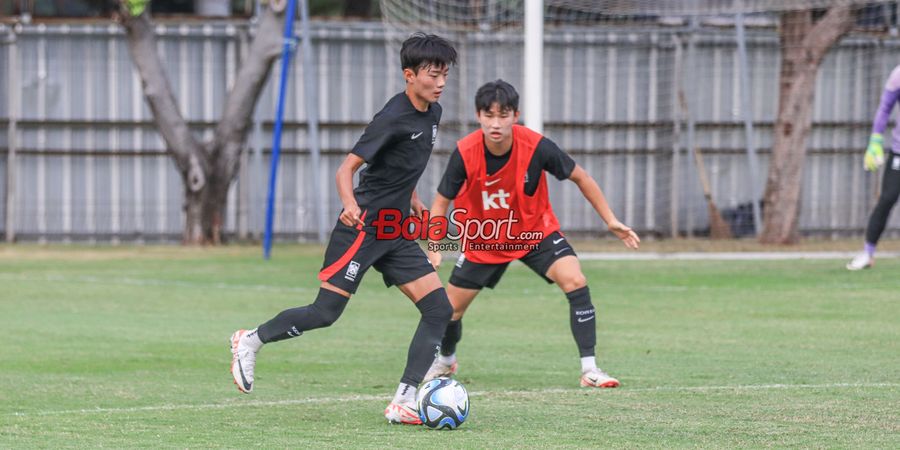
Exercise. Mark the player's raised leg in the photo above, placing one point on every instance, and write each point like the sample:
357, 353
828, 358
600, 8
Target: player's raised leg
245, 344
566, 273
350, 251
430, 298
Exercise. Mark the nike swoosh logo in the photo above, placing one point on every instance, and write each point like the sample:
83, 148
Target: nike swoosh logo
557, 241
488, 183
243, 380
415, 135
560, 251
585, 319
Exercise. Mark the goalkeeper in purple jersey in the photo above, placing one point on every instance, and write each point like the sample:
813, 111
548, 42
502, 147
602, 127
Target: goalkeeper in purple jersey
874, 159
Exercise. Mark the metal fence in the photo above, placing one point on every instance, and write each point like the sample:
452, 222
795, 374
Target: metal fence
88, 164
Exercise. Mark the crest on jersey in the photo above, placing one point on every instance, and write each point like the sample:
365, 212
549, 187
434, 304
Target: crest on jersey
352, 271
433, 134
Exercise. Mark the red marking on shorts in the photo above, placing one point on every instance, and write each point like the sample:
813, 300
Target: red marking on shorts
329, 271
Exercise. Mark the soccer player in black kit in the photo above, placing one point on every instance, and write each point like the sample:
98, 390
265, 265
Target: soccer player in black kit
395, 146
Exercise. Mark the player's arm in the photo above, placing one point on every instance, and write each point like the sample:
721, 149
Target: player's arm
350, 216
418, 207
450, 185
377, 136
592, 192
439, 207
874, 157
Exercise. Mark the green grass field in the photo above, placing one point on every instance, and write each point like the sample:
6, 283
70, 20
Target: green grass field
128, 348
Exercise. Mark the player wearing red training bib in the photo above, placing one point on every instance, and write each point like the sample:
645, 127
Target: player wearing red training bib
493, 196
500, 170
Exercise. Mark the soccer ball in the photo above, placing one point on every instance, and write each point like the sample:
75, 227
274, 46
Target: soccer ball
443, 403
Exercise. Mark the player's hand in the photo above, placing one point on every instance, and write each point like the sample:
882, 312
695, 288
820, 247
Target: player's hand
418, 208
350, 215
874, 153
627, 235
435, 258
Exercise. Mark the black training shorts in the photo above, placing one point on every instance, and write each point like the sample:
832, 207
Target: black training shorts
352, 250
471, 275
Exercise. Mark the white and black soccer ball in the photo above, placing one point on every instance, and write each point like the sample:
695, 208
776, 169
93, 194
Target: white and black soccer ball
443, 403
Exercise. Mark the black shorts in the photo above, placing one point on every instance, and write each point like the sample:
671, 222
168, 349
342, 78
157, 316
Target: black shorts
352, 250
471, 275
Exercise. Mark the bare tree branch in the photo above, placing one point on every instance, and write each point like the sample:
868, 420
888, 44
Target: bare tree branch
169, 121
837, 22
232, 129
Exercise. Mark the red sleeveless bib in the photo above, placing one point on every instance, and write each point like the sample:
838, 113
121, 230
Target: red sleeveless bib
494, 196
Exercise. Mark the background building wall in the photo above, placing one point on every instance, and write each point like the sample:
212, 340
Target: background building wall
90, 165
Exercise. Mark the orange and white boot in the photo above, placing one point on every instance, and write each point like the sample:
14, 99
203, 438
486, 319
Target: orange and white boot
243, 361
402, 413
598, 378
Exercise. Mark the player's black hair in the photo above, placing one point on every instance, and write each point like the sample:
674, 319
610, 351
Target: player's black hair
497, 91
422, 50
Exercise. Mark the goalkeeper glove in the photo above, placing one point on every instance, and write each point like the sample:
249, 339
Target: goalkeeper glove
136, 7
874, 153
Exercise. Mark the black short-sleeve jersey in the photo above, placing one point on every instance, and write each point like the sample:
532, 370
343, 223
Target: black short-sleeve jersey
396, 146
547, 156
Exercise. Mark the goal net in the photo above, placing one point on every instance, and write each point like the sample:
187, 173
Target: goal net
653, 99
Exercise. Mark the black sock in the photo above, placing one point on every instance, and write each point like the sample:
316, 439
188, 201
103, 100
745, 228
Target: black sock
451, 337
426, 343
890, 191
293, 322
583, 320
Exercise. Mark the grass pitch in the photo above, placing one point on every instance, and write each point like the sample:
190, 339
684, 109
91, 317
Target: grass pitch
128, 348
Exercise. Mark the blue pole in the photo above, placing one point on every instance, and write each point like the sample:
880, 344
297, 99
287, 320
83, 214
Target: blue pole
279, 112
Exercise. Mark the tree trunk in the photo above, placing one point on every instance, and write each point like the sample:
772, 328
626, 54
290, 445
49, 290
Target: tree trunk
207, 169
204, 212
803, 46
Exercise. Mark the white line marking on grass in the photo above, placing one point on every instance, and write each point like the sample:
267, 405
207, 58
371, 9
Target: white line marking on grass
723, 256
522, 393
236, 404
87, 279
760, 387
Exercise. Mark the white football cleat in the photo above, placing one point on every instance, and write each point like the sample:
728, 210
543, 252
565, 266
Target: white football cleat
598, 378
402, 413
243, 360
439, 370
860, 262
